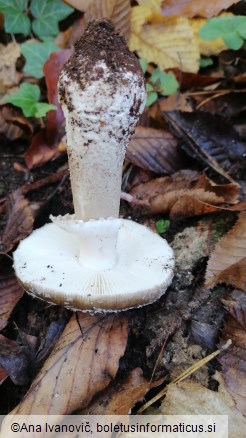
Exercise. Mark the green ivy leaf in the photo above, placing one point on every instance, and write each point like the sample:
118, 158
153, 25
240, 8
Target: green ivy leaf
47, 14
166, 83
144, 64
27, 99
15, 18
231, 29
206, 62
36, 54
42, 108
152, 96
162, 225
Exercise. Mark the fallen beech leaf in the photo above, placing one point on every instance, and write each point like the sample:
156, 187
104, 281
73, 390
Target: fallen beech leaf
10, 293
8, 74
233, 362
208, 138
230, 192
20, 221
236, 306
179, 181
199, 202
16, 360
119, 399
193, 8
119, 11
191, 398
13, 124
40, 151
169, 44
83, 362
228, 260
154, 150
80, 5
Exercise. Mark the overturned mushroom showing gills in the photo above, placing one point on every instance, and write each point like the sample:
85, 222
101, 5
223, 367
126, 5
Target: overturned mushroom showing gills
92, 260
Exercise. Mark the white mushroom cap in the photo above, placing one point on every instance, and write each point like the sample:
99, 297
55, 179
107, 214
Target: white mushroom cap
102, 94
143, 269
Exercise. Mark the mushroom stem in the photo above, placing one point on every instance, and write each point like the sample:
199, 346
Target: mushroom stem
102, 94
98, 244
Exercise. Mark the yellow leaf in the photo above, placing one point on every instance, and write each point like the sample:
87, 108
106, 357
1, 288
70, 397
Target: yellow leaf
155, 4
169, 44
207, 48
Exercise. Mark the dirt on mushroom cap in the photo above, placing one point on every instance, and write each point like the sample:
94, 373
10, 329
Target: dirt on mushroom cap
100, 42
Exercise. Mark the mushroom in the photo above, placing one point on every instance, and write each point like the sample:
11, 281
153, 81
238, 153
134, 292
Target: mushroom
93, 260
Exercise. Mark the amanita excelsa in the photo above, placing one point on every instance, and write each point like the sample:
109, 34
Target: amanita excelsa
93, 260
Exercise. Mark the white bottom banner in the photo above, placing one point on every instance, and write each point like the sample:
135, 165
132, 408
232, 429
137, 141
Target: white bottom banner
112, 426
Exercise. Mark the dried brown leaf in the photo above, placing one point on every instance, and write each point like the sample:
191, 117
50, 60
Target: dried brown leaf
228, 260
119, 11
120, 398
191, 398
210, 139
192, 8
10, 293
8, 74
16, 360
195, 202
154, 150
233, 362
13, 124
20, 221
230, 192
181, 180
185, 194
80, 5
83, 362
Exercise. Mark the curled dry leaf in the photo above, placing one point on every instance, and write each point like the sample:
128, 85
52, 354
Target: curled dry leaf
210, 139
154, 149
16, 360
198, 202
228, 260
10, 293
186, 194
119, 399
119, 11
8, 74
83, 362
191, 398
13, 124
193, 8
233, 362
19, 223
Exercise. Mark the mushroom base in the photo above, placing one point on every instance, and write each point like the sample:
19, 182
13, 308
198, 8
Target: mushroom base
47, 265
